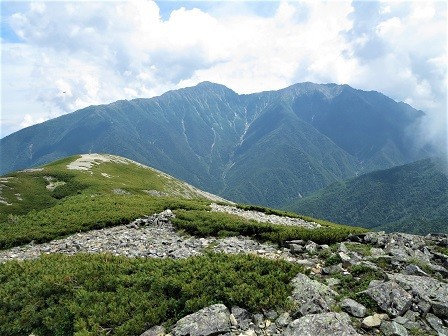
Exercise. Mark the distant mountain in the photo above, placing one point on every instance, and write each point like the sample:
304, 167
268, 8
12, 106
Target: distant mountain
266, 148
410, 198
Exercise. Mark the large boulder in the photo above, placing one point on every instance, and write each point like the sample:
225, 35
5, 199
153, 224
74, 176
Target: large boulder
213, 320
325, 324
427, 289
311, 296
390, 297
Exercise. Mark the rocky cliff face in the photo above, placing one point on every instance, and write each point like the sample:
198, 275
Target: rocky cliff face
371, 284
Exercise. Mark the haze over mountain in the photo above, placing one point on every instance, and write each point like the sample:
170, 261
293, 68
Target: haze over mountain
410, 198
266, 148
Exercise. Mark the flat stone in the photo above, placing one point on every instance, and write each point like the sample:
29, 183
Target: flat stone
353, 308
372, 321
325, 324
212, 320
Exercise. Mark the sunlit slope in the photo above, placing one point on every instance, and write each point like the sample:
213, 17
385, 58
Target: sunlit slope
86, 192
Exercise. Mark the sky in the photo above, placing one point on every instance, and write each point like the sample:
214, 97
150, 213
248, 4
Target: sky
57, 57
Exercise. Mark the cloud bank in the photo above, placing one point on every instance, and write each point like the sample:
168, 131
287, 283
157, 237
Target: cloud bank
61, 56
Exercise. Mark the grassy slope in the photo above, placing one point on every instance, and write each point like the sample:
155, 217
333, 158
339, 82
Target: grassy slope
87, 201
411, 198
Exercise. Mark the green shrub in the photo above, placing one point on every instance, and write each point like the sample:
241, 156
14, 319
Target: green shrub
106, 295
204, 223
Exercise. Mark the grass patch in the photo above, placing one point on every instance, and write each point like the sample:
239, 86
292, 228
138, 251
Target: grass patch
362, 249
102, 294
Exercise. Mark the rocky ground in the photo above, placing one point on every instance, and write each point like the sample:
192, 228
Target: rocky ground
409, 295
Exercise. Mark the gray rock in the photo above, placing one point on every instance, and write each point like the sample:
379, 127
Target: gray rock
346, 259
154, 331
313, 306
326, 324
311, 247
427, 289
333, 269
342, 248
332, 281
212, 320
437, 324
414, 270
271, 314
353, 308
242, 316
390, 297
311, 296
283, 320
391, 328
295, 248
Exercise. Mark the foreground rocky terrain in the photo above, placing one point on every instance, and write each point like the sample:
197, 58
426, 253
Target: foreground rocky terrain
371, 284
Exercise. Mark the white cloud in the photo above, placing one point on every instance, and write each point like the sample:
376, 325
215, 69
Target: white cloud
73, 54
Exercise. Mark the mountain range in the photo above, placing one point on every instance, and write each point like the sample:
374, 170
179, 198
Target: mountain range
266, 148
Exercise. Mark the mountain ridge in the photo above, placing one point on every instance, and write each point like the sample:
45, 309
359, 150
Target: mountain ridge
210, 136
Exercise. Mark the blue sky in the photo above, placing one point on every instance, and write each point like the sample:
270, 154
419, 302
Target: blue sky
58, 57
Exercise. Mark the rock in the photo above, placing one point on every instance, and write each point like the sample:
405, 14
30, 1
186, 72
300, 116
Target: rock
311, 247
427, 289
436, 324
372, 321
313, 306
154, 331
295, 248
390, 297
342, 248
353, 308
271, 314
212, 320
311, 295
233, 320
332, 281
347, 261
333, 269
283, 320
326, 324
390, 328
376, 252
242, 316
249, 332
258, 320
414, 270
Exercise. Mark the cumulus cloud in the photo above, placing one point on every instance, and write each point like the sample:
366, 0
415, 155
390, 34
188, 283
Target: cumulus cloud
67, 55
